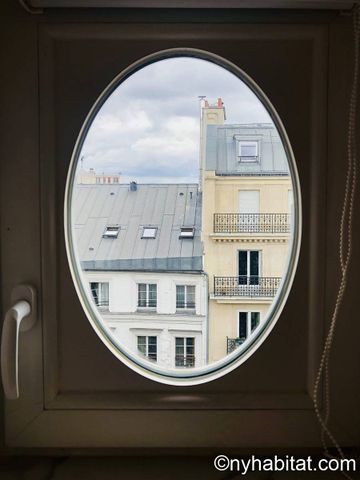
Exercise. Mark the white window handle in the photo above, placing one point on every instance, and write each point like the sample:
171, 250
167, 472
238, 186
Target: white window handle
19, 318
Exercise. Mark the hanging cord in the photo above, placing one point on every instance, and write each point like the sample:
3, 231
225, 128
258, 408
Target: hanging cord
345, 250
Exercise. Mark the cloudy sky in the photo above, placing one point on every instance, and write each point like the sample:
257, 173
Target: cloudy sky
148, 129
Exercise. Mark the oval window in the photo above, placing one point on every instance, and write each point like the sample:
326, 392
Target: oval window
182, 216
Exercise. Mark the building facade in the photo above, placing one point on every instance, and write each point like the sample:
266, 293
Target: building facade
90, 177
141, 254
183, 274
246, 219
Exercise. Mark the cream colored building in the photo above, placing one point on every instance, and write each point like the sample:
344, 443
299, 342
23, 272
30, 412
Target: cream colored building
90, 177
247, 201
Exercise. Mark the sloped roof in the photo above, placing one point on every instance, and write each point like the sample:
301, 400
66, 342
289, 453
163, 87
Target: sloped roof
221, 150
165, 206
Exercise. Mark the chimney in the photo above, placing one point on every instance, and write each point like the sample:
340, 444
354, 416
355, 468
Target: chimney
211, 114
133, 186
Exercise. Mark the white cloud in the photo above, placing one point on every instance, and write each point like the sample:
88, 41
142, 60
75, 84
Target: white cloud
170, 145
149, 126
122, 121
181, 126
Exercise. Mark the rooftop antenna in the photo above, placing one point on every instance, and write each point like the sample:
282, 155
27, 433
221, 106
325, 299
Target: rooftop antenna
201, 98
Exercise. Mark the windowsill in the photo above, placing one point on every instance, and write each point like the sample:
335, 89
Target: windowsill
146, 309
146, 357
249, 160
186, 311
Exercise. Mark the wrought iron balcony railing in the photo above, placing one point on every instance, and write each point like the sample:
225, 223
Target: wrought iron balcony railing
102, 304
241, 286
185, 360
251, 223
233, 343
99, 302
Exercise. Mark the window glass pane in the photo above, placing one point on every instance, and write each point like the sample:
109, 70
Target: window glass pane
243, 325
94, 286
190, 346
179, 346
111, 232
142, 295
248, 150
243, 268
176, 237
180, 296
141, 342
152, 295
190, 296
149, 232
254, 263
186, 232
255, 320
179, 361
179, 351
104, 289
254, 268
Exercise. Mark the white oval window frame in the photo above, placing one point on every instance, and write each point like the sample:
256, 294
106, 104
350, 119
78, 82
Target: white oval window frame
217, 369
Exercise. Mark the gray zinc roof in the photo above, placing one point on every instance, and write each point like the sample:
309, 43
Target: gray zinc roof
222, 155
165, 206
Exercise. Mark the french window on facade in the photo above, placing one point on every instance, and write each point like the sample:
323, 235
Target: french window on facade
248, 218
185, 296
147, 295
247, 323
100, 293
249, 267
147, 345
184, 352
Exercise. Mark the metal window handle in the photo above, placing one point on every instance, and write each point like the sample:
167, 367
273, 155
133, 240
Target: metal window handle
19, 318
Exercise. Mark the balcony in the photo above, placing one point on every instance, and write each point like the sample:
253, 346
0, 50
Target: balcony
185, 360
271, 223
233, 343
241, 286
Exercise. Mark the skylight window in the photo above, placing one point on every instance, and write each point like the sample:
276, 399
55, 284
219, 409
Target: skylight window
187, 232
149, 232
111, 232
248, 151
